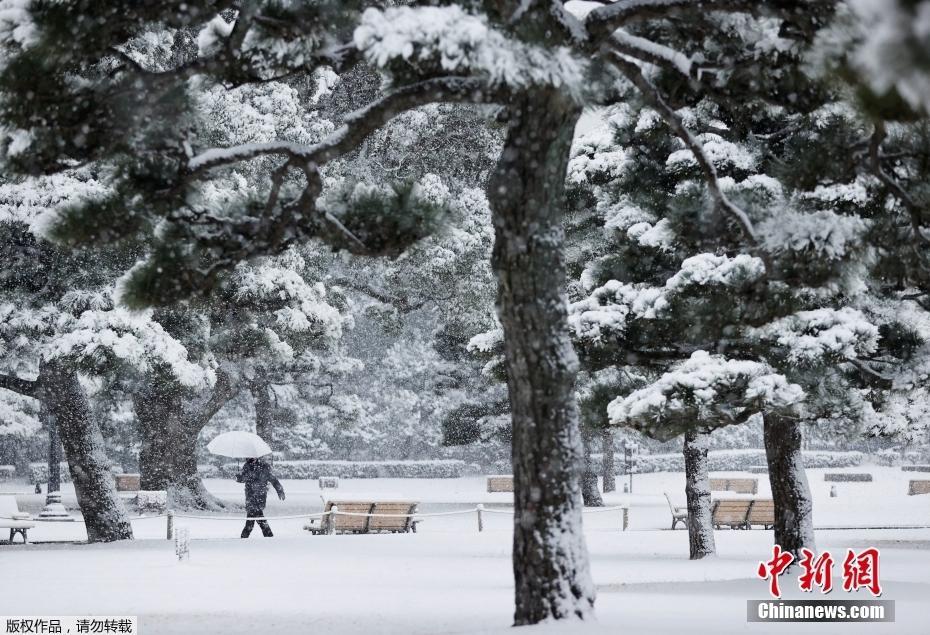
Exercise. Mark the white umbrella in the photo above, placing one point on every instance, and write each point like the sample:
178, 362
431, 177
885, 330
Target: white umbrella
239, 445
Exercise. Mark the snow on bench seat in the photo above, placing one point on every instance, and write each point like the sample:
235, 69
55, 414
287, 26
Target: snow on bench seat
13, 519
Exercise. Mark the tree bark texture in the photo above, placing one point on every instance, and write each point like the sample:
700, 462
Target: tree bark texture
170, 427
697, 493
526, 193
590, 495
608, 465
794, 510
264, 411
104, 516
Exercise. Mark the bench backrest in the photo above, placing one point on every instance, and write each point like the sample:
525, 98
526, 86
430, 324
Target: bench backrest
727, 512
848, 477
919, 487
738, 485
500, 483
669, 499
350, 523
127, 482
8, 505
397, 516
762, 512
718, 484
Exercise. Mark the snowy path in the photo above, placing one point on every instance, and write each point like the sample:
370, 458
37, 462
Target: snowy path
428, 583
449, 578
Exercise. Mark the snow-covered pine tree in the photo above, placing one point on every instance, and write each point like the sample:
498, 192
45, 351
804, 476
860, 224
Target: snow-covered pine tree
774, 285
139, 121
58, 324
874, 54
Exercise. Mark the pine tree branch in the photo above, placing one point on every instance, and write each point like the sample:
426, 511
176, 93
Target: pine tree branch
603, 21
872, 376
649, 51
915, 212
402, 304
25, 387
357, 126
655, 99
222, 392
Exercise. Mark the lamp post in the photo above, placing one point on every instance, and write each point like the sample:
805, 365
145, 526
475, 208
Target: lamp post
54, 510
630, 449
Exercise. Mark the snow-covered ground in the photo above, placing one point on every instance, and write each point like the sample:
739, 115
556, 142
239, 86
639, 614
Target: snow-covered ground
448, 578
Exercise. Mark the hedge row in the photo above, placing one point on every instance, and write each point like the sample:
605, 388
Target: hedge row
38, 473
737, 460
442, 468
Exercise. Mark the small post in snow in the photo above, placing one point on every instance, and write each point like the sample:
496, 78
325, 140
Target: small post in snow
333, 511
480, 508
182, 544
624, 517
833, 491
170, 515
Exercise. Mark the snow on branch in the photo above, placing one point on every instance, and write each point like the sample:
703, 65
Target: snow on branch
603, 21
460, 42
26, 387
652, 52
655, 99
357, 125
98, 338
610, 307
809, 338
706, 391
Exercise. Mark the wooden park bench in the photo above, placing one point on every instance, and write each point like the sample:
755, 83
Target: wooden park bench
761, 512
363, 517
13, 519
738, 485
679, 514
918, 487
743, 513
500, 483
127, 482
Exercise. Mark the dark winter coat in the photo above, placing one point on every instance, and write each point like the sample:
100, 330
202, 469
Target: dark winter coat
257, 475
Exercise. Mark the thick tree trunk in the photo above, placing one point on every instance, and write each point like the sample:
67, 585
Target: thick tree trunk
590, 495
608, 463
158, 409
264, 411
697, 492
104, 516
526, 192
169, 430
794, 510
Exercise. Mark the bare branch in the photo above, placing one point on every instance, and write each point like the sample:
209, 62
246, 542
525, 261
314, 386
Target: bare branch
872, 376
25, 387
655, 99
401, 303
603, 21
359, 124
223, 391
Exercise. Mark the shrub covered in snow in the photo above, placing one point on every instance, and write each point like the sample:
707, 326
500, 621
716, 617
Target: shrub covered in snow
736, 460
151, 501
310, 470
38, 473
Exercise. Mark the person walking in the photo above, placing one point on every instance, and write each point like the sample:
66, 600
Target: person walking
257, 474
